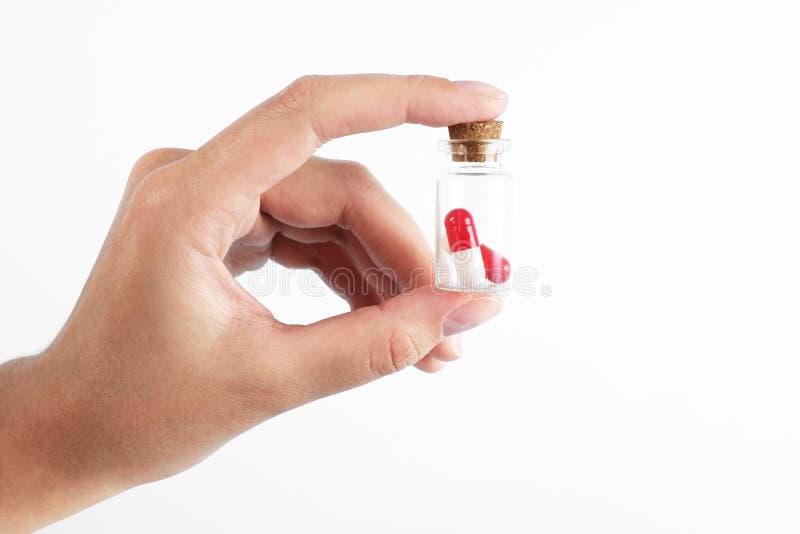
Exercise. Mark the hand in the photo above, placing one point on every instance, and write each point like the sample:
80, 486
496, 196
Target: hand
166, 357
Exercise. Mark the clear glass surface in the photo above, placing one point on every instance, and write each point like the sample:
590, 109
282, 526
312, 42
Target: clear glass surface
483, 190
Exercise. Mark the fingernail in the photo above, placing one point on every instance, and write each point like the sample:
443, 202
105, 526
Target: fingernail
470, 315
483, 89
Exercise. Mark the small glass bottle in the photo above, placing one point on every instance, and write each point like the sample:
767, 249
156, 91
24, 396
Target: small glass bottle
474, 211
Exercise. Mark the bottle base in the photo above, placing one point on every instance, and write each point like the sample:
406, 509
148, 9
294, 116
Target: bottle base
488, 289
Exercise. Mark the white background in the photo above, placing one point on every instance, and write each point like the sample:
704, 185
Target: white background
656, 162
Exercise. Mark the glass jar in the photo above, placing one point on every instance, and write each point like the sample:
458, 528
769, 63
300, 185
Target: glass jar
473, 217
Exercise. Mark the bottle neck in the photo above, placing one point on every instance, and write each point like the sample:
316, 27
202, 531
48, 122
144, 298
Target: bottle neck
476, 155
478, 167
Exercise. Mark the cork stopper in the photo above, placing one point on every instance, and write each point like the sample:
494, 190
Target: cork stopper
475, 141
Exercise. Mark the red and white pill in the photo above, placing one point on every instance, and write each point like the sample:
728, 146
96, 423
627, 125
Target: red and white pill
475, 263
465, 249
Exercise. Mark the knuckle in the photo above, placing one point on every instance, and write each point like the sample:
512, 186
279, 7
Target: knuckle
418, 80
357, 174
153, 159
398, 350
150, 196
299, 92
419, 83
359, 184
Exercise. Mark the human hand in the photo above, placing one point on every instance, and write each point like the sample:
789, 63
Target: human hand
166, 357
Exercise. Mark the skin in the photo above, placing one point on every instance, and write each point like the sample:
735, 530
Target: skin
165, 357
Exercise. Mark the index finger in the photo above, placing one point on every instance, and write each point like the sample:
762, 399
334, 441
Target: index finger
276, 137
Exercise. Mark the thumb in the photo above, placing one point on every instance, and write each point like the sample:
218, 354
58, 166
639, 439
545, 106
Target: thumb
354, 348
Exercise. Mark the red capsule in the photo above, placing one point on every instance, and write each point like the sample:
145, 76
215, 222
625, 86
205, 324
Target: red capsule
498, 268
460, 228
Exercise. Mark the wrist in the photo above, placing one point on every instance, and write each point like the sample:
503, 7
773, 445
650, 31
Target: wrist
42, 471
